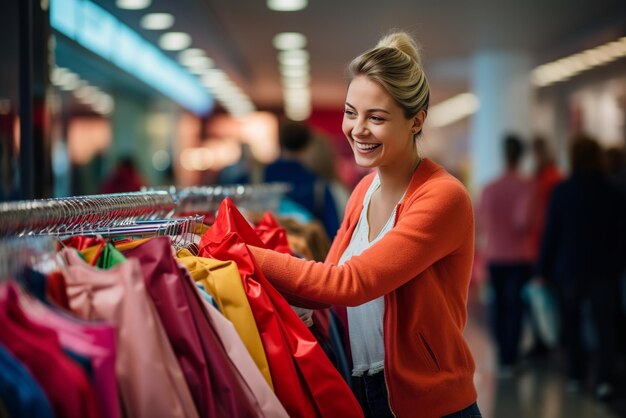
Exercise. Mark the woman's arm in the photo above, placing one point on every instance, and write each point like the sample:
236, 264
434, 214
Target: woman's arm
432, 227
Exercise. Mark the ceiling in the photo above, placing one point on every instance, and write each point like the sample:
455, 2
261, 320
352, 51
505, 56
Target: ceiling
238, 34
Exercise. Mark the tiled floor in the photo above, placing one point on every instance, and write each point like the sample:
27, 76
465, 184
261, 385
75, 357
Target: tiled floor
538, 388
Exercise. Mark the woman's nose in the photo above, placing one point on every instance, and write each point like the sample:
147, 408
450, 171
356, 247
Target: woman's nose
359, 128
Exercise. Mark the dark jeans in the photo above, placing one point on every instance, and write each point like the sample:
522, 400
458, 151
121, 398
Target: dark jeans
507, 281
603, 296
471, 411
372, 395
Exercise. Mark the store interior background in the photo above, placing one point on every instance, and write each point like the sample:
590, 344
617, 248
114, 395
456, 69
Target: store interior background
483, 54
488, 49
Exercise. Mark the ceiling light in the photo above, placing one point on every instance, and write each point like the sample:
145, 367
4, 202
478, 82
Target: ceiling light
157, 21
293, 57
133, 4
199, 65
286, 5
189, 53
174, 41
453, 109
289, 40
571, 65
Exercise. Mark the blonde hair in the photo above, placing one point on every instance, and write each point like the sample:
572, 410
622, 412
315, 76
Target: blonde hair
395, 64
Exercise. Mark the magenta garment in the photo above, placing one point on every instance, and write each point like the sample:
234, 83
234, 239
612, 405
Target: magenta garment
197, 346
151, 383
505, 216
91, 339
38, 348
245, 365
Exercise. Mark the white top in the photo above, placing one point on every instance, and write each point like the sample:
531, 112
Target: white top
365, 322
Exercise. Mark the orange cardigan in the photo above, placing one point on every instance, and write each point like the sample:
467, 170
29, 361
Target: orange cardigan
422, 267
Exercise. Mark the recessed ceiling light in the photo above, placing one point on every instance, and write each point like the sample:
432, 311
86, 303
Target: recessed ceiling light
294, 57
289, 40
286, 5
157, 21
133, 4
189, 54
174, 41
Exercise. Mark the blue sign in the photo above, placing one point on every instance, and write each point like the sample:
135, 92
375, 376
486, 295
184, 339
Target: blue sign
102, 33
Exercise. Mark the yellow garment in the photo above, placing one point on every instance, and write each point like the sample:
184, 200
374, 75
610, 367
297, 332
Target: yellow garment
221, 280
129, 245
91, 254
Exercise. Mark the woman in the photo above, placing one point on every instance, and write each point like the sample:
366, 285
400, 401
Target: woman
401, 259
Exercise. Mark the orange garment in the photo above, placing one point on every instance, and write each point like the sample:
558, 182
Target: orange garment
423, 267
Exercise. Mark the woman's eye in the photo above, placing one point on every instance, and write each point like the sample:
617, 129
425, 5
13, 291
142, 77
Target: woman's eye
348, 112
377, 118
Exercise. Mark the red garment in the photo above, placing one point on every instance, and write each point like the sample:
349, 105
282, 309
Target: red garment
38, 347
56, 291
304, 379
80, 242
273, 235
275, 238
216, 388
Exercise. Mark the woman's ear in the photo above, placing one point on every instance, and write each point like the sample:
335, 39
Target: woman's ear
418, 121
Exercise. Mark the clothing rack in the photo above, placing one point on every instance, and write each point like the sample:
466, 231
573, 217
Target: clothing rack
202, 199
83, 213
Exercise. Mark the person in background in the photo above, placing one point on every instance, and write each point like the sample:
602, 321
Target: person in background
308, 189
546, 176
401, 260
320, 158
582, 252
124, 178
505, 219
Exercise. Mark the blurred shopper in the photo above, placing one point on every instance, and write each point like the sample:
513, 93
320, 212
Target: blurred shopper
242, 171
505, 218
546, 176
308, 189
402, 258
124, 178
320, 158
582, 252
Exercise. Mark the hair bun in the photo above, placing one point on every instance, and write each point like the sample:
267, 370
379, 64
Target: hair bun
401, 41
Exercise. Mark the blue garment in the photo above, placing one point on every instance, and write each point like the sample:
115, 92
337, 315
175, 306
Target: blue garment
20, 393
206, 296
307, 190
338, 345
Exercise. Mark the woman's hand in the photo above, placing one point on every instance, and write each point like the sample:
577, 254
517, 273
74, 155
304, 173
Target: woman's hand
305, 315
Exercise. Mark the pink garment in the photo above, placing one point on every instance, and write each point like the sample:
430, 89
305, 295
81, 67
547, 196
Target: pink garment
150, 380
505, 216
64, 382
245, 366
93, 340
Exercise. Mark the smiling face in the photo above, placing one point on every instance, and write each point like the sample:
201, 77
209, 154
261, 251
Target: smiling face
376, 128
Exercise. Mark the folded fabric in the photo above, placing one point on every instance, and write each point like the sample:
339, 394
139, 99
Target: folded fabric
19, 391
94, 340
216, 388
222, 281
269, 403
38, 347
150, 380
309, 385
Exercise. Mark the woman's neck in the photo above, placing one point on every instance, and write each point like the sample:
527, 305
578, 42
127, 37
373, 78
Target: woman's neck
395, 180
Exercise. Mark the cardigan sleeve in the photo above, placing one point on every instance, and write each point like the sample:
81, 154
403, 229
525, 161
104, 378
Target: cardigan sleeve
432, 226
